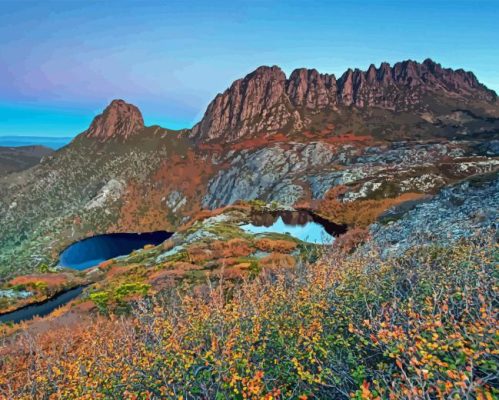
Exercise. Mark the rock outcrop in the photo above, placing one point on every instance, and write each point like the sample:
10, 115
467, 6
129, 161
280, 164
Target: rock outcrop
255, 103
119, 120
265, 101
466, 209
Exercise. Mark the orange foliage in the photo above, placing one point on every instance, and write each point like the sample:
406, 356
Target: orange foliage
51, 280
280, 246
278, 261
198, 253
172, 271
360, 213
351, 239
420, 327
232, 248
260, 141
349, 138
237, 271
117, 270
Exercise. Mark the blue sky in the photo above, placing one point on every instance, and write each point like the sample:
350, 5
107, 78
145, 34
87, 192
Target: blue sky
62, 62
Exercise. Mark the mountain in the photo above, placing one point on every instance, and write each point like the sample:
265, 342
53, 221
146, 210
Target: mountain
15, 159
348, 148
410, 99
119, 120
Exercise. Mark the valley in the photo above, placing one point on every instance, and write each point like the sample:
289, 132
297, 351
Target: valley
15, 159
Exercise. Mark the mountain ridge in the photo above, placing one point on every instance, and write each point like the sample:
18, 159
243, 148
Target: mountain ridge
413, 96
266, 101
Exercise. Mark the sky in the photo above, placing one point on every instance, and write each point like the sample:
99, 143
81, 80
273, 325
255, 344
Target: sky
62, 62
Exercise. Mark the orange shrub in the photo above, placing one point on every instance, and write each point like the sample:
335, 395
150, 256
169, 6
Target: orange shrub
351, 239
360, 213
232, 248
420, 327
280, 246
199, 253
234, 272
278, 261
51, 280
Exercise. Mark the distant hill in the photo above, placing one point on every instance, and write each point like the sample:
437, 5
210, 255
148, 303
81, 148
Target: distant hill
15, 159
54, 143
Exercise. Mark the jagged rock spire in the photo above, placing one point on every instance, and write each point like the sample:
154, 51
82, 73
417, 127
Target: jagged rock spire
119, 120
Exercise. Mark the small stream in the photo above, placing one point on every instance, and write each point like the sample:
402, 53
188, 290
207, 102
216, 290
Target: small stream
41, 309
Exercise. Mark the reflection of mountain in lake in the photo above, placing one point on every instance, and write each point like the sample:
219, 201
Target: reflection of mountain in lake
41, 309
299, 224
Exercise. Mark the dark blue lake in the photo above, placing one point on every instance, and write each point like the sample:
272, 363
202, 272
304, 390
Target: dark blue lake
92, 251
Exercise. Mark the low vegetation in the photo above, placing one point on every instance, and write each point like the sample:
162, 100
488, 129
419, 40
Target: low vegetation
360, 213
418, 327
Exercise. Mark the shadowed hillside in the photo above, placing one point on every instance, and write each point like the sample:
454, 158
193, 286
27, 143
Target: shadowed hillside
15, 159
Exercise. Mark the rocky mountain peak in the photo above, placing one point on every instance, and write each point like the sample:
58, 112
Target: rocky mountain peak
119, 120
310, 89
265, 101
238, 110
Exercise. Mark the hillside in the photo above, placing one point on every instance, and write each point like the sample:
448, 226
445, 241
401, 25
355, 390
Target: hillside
419, 326
15, 159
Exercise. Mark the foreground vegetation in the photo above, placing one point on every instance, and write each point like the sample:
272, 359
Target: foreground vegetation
422, 326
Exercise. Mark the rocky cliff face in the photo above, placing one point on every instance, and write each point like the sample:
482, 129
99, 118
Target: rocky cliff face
265, 101
119, 120
255, 103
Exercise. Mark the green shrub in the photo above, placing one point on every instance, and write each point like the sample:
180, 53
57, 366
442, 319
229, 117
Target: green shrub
127, 289
101, 300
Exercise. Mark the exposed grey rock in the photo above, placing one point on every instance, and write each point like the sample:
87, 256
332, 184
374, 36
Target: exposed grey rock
462, 210
322, 182
111, 191
267, 174
15, 294
285, 172
287, 193
175, 201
